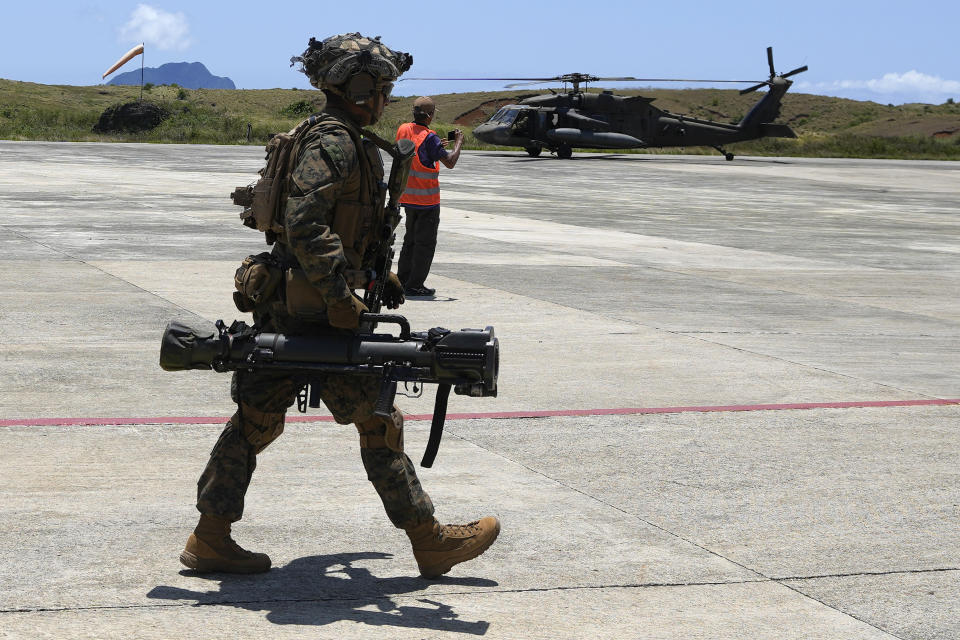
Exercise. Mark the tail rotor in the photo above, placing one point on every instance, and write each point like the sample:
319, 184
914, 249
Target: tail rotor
773, 74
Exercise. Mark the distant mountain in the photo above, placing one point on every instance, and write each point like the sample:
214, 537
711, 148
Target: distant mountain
189, 75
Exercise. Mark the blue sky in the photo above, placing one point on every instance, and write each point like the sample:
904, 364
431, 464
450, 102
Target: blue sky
882, 51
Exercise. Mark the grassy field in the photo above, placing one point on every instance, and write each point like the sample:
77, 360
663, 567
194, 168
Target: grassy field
827, 127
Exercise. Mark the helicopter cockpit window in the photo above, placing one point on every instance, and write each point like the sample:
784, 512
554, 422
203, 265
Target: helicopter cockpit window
508, 117
522, 123
496, 117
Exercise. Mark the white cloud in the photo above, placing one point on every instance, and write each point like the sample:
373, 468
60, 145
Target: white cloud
156, 27
910, 84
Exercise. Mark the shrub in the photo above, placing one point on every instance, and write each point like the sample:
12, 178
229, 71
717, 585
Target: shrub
298, 109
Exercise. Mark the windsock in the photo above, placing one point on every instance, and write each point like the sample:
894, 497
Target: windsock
137, 50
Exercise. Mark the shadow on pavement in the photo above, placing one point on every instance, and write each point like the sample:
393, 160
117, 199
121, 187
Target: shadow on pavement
516, 157
320, 590
640, 157
433, 298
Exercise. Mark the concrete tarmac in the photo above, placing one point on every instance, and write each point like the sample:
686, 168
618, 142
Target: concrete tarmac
729, 403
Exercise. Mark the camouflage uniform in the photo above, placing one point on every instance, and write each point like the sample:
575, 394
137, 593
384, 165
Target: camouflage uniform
328, 176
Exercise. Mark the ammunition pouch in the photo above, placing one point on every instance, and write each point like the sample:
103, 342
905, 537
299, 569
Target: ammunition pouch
352, 223
303, 299
256, 280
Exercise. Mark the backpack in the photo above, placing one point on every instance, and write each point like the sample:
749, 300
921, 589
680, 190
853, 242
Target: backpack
264, 200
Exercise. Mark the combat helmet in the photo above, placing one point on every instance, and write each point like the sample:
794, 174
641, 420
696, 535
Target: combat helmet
352, 66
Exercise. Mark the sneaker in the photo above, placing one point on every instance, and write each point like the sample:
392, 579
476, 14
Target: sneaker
419, 292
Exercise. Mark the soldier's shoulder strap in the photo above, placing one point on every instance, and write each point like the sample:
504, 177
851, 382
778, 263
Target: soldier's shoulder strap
389, 147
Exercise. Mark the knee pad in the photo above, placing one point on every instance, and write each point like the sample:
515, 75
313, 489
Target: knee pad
377, 432
259, 428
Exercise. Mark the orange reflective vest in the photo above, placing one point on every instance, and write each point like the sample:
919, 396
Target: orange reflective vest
423, 184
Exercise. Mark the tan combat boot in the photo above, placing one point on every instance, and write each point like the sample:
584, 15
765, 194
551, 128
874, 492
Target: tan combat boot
437, 547
210, 548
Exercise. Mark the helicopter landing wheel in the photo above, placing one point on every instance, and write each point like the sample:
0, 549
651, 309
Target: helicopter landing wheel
726, 154
564, 151
533, 150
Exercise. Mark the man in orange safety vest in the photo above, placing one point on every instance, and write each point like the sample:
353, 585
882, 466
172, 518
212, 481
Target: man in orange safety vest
421, 200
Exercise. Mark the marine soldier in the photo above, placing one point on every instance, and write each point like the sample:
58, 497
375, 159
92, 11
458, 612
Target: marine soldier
335, 198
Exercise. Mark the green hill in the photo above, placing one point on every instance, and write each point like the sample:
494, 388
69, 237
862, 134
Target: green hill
832, 127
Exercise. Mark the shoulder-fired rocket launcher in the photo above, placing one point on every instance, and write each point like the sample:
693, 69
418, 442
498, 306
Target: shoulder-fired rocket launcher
467, 360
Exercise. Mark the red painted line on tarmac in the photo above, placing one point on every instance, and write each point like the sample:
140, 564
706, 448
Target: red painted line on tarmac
73, 422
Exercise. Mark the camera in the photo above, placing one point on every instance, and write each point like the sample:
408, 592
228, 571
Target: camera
452, 135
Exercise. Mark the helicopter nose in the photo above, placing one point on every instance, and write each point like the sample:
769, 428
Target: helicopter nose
493, 133
483, 132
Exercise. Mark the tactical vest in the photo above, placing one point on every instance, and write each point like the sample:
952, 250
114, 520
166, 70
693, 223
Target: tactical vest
359, 209
423, 184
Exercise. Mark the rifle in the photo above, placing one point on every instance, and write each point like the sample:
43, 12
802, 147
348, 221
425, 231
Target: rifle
467, 360
402, 153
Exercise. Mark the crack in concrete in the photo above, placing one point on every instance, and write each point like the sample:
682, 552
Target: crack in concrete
366, 598
860, 574
73, 258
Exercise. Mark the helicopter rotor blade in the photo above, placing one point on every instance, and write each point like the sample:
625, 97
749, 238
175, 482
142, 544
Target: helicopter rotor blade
631, 79
530, 82
794, 72
499, 79
582, 78
753, 88
626, 79
770, 61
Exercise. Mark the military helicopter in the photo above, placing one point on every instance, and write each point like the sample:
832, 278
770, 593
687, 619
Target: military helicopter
561, 121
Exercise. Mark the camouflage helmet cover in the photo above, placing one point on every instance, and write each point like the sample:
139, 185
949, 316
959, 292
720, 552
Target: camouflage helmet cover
333, 61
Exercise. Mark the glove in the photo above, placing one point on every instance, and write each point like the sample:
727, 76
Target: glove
393, 292
345, 312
